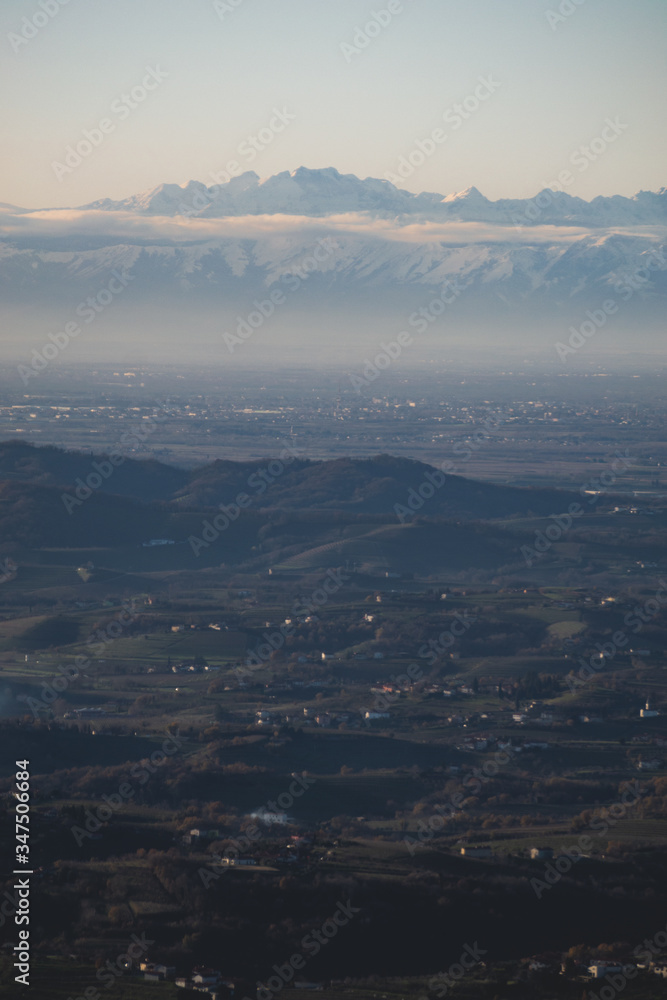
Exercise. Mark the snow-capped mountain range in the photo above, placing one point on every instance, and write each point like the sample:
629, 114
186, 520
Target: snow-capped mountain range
318, 193
347, 260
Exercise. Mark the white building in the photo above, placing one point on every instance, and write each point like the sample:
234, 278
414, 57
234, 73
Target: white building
600, 971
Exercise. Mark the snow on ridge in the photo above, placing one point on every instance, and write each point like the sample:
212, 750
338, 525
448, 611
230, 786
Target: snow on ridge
325, 192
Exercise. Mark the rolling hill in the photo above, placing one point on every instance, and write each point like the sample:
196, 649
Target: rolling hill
373, 486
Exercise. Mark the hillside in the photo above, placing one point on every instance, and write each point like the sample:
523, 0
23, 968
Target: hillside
365, 486
21, 462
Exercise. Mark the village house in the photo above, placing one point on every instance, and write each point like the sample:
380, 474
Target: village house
476, 852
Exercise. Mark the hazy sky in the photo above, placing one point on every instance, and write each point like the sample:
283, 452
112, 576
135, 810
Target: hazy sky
554, 85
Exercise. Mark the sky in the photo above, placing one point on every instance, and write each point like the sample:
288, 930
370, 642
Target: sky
183, 86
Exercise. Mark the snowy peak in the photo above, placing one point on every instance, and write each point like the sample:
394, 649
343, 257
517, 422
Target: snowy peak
166, 199
312, 193
470, 195
470, 205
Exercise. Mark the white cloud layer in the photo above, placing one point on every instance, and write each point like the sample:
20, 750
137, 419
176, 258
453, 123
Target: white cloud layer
130, 227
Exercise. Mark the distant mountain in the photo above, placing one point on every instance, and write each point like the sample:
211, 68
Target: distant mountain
349, 261
319, 193
480, 289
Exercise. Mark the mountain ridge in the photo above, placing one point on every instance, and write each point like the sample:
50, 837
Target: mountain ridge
523, 272
69, 516
325, 191
372, 485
